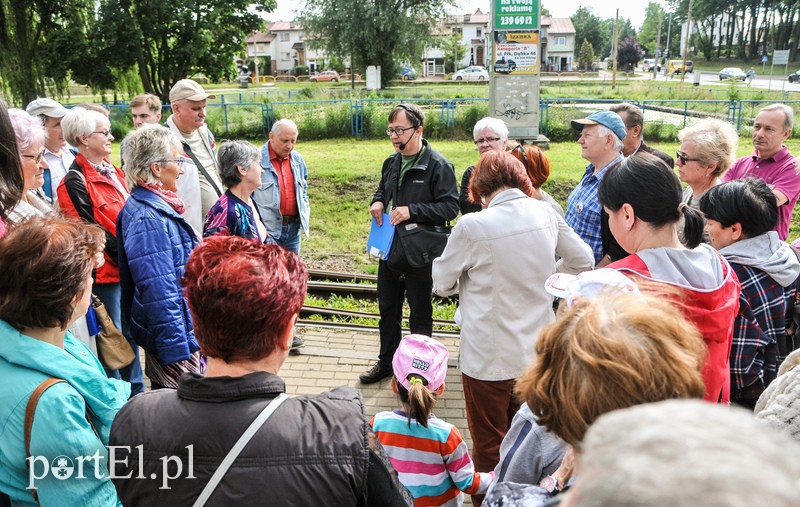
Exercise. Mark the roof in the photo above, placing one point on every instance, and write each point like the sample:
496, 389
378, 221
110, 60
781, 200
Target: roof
284, 26
558, 25
259, 37
477, 18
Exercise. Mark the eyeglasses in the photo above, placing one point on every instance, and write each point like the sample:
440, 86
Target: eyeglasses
36, 158
482, 140
104, 132
398, 131
178, 161
683, 158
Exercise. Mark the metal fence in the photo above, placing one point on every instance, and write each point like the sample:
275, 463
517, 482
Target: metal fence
248, 118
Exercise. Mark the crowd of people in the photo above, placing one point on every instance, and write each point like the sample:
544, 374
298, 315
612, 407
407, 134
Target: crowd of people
601, 345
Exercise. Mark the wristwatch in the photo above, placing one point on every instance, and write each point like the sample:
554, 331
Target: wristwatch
549, 484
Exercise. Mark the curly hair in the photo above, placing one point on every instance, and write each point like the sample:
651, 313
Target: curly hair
242, 296
45, 265
613, 351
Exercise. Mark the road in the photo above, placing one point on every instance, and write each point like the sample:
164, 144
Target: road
775, 83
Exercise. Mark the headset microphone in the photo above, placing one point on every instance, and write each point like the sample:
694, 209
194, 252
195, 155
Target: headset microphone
402, 146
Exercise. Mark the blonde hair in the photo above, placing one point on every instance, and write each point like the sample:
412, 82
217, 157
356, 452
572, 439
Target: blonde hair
613, 351
419, 399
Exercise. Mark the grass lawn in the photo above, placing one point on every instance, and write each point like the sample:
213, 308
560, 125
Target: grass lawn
344, 173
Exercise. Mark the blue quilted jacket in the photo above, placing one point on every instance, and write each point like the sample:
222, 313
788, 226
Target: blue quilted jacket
154, 244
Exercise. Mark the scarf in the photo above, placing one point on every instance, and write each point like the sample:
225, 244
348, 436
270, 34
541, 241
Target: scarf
169, 197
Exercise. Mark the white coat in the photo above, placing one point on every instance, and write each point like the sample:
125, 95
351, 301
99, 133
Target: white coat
498, 261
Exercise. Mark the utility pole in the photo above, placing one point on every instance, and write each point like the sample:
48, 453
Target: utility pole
666, 50
658, 45
686, 40
614, 51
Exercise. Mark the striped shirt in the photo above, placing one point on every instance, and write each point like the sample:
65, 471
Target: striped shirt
433, 463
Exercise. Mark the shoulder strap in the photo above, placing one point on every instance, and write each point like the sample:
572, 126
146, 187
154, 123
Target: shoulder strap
30, 412
30, 409
251, 430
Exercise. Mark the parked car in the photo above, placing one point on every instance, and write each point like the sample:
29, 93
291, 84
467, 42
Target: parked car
794, 76
647, 64
734, 73
325, 75
408, 73
471, 73
504, 66
676, 67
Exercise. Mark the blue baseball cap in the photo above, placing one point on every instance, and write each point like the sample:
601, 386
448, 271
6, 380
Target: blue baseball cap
608, 119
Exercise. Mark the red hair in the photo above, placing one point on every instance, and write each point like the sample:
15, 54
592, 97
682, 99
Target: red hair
536, 163
243, 296
495, 170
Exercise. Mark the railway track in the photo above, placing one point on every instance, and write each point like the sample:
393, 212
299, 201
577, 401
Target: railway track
327, 283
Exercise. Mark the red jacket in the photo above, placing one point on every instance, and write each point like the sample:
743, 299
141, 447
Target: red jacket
711, 303
94, 200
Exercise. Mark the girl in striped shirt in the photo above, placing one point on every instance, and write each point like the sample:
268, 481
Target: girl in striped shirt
428, 453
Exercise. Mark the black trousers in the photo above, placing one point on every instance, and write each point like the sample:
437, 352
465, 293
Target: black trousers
397, 280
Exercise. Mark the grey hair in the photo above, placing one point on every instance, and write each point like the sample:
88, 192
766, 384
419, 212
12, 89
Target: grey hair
232, 155
715, 140
788, 114
603, 131
496, 125
80, 122
633, 115
628, 458
278, 125
144, 147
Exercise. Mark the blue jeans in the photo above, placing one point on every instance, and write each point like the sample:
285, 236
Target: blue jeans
290, 236
110, 294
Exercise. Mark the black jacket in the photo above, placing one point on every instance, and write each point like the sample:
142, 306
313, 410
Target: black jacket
314, 450
429, 190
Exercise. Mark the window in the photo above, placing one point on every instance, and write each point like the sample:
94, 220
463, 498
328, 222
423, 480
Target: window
285, 37
561, 41
478, 33
286, 57
457, 30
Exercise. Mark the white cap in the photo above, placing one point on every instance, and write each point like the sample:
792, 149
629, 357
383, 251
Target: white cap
588, 284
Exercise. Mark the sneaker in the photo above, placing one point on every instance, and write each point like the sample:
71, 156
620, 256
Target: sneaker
297, 343
375, 374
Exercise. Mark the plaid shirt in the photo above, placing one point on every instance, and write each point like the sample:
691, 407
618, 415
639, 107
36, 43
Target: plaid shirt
584, 212
757, 330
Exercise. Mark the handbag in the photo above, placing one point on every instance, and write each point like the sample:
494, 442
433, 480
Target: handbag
113, 348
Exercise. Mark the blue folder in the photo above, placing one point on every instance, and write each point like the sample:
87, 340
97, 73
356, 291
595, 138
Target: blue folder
380, 238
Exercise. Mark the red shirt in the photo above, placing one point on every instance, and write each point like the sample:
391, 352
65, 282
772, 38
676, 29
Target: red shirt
283, 167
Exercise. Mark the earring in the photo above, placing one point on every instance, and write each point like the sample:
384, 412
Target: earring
483, 200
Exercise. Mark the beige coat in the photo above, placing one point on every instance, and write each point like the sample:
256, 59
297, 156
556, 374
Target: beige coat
497, 260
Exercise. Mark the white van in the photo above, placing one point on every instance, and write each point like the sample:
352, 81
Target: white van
647, 64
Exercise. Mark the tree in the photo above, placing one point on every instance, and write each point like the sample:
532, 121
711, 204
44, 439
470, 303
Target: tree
453, 51
373, 32
586, 55
36, 39
587, 26
172, 40
649, 31
629, 53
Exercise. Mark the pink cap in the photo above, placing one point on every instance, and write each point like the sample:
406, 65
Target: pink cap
420, 356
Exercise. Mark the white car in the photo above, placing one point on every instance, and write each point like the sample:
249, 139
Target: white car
471, 73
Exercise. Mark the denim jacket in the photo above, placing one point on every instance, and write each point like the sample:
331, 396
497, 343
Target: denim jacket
268, 196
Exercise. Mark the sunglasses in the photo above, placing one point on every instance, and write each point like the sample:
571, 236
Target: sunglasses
683, 158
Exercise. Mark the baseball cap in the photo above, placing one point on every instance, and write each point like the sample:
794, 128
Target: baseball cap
47, 107
190, 90
588, 284
608, 119
420, 356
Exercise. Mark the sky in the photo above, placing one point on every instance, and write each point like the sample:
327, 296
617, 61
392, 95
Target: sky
558, 8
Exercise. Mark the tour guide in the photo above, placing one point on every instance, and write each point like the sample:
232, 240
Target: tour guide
418, 190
